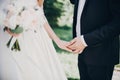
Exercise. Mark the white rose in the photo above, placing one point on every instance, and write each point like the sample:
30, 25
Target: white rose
13, 21
27, 18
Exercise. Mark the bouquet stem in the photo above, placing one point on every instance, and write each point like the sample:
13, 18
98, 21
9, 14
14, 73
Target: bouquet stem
8, 44
15, 46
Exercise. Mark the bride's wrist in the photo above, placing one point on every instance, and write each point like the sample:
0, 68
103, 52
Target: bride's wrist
56, 40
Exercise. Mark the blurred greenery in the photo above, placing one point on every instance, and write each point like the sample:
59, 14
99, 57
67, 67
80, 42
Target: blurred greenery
118, 65
58, 12
53, 10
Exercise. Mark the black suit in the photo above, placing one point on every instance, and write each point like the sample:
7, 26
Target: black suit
100, 25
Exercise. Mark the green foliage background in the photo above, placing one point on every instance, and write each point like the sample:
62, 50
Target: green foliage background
58, 12
53, 10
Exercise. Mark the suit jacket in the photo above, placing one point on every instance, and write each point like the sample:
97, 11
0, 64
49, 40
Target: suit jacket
100, 25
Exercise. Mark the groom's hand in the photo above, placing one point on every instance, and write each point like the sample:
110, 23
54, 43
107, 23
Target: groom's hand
76, 45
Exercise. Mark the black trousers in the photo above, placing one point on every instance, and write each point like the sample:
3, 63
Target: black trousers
92, 72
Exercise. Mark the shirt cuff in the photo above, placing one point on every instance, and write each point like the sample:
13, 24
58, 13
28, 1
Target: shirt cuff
82, 38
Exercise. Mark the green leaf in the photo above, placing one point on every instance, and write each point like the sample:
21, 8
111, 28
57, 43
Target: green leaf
18, 30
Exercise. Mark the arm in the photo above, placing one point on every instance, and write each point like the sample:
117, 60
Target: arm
110, 30
106, 32
50, 32
61, 44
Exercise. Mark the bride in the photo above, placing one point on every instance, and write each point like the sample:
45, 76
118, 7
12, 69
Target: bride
26, 51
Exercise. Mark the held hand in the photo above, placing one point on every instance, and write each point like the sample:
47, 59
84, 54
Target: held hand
76, 45
63, 45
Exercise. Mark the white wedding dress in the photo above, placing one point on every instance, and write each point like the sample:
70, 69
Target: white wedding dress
37, 59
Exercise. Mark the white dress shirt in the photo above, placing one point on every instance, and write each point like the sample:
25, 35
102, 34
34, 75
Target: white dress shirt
78, 26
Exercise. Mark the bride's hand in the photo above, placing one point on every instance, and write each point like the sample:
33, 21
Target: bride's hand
12, 34
63, 45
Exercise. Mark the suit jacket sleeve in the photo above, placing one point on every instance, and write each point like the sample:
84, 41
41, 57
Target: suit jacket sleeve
109, 30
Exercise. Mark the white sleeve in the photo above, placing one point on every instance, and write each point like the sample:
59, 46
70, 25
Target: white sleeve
82, 38
44, 19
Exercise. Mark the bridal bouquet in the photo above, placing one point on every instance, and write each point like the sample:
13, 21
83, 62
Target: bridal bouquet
19, 18
12, 22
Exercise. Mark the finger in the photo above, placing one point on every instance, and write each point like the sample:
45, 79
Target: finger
73, 46
66, 43
8, 31
12, 34
72, 49
78, 51
68, 49
72, 42
15, 35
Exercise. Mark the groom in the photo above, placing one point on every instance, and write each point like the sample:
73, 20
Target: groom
96, 29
